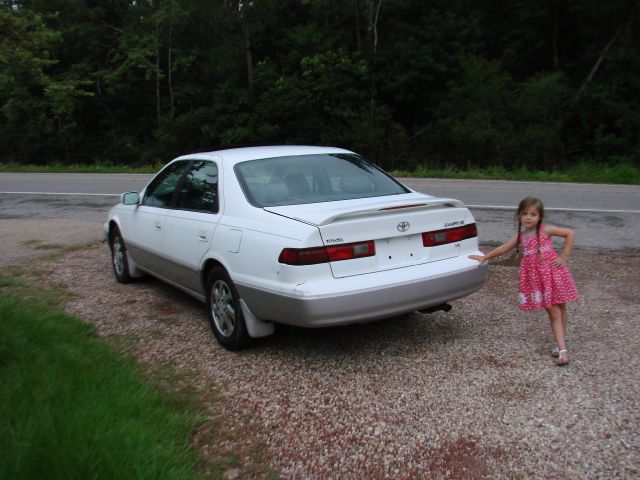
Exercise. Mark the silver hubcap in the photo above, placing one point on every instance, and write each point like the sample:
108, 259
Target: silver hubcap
118, 256
224, 314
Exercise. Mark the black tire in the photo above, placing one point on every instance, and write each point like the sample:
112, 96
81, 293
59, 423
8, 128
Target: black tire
119, 260
225, 314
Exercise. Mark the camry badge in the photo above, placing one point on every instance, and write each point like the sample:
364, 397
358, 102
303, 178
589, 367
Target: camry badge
403, 226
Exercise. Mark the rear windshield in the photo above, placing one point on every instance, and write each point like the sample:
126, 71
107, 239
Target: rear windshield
304, 179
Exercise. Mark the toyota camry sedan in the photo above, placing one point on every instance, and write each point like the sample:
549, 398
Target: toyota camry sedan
299, 235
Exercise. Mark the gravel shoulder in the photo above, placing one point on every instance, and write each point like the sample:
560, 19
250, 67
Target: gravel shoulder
468, 394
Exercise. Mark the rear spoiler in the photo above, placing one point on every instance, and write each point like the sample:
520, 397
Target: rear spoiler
422, 204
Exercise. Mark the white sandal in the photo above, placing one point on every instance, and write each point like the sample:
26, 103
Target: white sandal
555, 353
563, 358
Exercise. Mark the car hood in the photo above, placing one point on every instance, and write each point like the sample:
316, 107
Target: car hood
328, 212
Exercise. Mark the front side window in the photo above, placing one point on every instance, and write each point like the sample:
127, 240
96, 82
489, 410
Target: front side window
199, 188
316, 178
161, 189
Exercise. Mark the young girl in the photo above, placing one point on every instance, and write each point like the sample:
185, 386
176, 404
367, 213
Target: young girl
544, 280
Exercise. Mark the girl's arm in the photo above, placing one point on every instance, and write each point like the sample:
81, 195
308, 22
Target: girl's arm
568, 236
496, 252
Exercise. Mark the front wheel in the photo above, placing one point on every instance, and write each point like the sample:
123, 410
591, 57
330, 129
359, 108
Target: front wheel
225, 313
119, 257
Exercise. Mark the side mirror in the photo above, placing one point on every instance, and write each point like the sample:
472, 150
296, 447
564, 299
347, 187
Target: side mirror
130, 198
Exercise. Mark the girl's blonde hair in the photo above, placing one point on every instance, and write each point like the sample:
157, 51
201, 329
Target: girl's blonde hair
526, 203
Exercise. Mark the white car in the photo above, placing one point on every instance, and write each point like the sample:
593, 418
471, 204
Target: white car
307, 236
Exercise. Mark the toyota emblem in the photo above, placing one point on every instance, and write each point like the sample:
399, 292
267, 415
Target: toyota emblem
403, 226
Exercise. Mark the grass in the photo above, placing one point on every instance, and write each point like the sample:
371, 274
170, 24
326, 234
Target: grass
59, 168
31, 243
586, 172
71, 406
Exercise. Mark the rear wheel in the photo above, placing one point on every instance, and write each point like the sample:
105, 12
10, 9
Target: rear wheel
119, 257
225, 313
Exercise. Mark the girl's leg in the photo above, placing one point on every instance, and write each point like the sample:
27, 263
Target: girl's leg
565, 318
557, 326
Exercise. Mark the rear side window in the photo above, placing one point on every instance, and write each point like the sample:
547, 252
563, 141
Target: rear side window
161, 189
199, 188
304, 179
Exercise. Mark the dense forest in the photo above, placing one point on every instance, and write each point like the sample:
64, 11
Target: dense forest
519, 84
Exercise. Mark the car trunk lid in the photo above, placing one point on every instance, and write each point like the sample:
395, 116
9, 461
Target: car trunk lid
395, 225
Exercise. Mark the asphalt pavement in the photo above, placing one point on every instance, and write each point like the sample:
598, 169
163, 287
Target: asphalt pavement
481, 193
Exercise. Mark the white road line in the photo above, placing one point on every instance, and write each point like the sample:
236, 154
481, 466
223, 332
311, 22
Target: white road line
62, 193
485, 207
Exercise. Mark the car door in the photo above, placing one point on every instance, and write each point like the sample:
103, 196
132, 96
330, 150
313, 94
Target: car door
145, 236
189, 226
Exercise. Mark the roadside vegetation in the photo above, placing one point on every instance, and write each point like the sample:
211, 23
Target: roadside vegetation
77, 168
443, 86
71, 406
581, 173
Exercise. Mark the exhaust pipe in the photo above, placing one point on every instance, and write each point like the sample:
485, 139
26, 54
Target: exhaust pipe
445, 307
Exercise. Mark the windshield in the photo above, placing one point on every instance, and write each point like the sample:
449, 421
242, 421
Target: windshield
304, 179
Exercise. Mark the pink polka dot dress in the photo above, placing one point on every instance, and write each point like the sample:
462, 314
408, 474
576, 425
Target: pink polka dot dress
542, 285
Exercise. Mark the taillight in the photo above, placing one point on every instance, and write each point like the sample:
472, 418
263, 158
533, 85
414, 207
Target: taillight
331, 253
449, 235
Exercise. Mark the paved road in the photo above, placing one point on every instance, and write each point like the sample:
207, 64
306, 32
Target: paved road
571, 196
95, 184
473, 192
605, 217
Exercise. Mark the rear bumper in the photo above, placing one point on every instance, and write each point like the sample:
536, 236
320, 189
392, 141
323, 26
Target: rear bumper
353, 301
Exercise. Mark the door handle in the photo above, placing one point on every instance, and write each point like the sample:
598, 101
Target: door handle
158, 226
202, 236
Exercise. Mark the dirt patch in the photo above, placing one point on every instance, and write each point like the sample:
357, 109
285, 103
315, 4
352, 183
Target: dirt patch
23, 239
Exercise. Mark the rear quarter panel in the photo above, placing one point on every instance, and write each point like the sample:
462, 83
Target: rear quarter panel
249, 250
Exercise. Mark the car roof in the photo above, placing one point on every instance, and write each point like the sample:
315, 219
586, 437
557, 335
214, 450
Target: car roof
234, 155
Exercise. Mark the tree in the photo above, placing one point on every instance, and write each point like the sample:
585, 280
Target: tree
25, 58
405, 81
541, 105
474, 126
